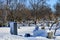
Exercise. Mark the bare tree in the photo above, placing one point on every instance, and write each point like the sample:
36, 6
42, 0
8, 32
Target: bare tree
35, 7
57, 7
40, 9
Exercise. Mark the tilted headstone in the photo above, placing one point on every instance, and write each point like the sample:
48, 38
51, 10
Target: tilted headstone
39, 32
42, 33
13, 28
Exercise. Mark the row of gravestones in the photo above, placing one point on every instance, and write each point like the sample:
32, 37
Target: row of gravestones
36, 31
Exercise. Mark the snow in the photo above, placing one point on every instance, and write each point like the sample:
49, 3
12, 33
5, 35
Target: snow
5, 34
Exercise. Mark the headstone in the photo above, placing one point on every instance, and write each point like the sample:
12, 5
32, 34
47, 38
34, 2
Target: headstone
23, 23
13, 28
8, 24
50, 35
36, 27
42, 33
39, 32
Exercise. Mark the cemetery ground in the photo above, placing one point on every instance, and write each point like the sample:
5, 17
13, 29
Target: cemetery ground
5, 33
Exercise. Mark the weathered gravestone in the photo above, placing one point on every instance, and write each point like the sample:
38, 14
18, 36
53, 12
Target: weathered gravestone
39, 32
13, 28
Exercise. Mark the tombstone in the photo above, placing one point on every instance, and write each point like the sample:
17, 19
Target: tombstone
50, 35
23, 23
42, 33
8, 24
48, 24
13, 28
36, 28
39, 32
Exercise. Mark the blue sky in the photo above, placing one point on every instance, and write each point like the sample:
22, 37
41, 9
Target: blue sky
50, 2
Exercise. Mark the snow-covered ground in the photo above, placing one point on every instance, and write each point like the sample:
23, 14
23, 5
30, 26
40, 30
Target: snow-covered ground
5, 34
